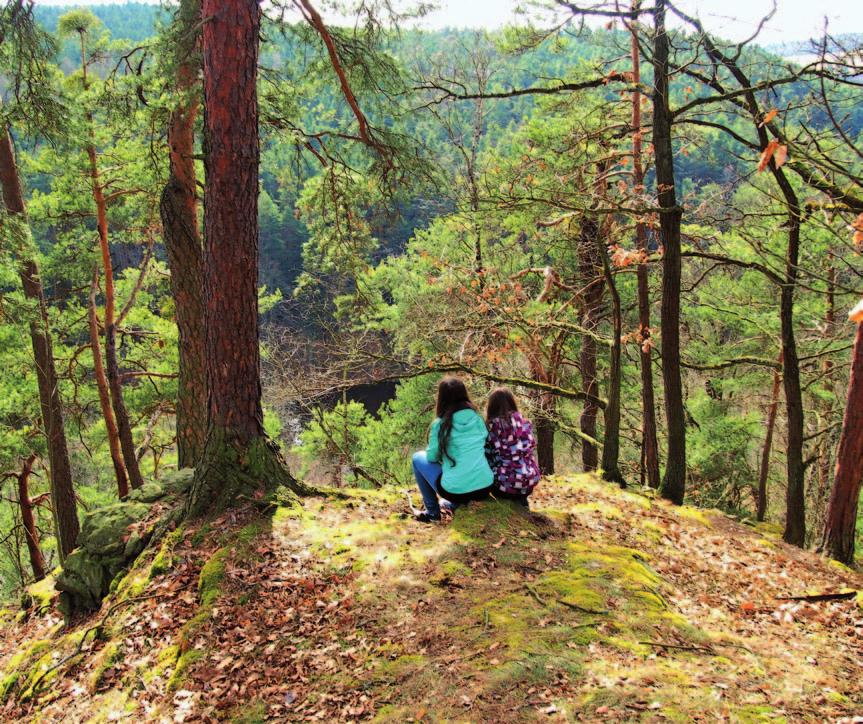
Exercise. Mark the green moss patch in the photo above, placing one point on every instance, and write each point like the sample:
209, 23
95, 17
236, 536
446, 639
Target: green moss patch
489, 520
20, 667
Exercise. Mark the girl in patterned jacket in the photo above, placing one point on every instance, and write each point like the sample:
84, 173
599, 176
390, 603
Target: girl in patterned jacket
511, 448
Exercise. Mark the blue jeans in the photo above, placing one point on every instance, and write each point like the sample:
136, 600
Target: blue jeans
427, 474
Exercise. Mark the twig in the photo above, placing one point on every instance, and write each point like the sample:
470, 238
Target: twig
663, 645
576, 607
573, 606
533, 593
841, 596
414, 511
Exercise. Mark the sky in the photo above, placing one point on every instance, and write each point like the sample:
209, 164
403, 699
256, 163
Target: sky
732, 19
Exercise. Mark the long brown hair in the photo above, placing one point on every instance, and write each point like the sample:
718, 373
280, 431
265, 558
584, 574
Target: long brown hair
452, 396
501, 403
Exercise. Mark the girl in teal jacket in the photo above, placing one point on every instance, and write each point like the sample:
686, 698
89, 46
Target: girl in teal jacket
454, 465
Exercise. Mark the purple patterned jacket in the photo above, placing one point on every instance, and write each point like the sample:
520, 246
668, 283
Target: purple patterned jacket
510, 448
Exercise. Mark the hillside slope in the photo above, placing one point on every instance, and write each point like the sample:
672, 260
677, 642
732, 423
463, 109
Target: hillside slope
600, 605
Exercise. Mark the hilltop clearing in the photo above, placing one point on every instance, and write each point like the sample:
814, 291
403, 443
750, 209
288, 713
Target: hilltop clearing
600, 605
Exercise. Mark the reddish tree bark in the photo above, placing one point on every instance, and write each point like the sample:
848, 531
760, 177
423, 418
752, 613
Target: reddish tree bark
124, 429
231, 215
105, 394
121, 416
62, 492
28, 520
838, 539
179, 214
761, 510
649, 442
238, 460
674, 483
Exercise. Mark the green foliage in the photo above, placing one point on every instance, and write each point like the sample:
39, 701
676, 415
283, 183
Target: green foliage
721, 451
333, 438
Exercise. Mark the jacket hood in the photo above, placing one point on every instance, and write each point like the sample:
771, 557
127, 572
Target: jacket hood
466, 420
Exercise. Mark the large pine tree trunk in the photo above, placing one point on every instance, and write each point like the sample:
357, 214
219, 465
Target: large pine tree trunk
28, 520
183, 245
238, 460
674, 483
63, 500
650, 445
841, 522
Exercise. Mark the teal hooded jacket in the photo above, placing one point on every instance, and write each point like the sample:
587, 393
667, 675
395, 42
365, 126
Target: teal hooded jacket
465, 467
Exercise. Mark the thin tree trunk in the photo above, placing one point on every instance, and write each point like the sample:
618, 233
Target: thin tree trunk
179, 214
545, 435
611, 433
28, 521
825, 445
841, 523
674, 483
544, 423
238, 461
761, 511
650, 445
795, 501
64, 505
795, 498
591, 292
104, 393
112, 368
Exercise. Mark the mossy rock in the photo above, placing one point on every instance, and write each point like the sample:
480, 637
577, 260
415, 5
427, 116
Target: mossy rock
179, 481
108, 545
148, 493
39, 597
103, 531
84, 581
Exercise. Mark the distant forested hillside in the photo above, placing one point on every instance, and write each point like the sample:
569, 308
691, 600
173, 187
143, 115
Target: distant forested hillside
707, 157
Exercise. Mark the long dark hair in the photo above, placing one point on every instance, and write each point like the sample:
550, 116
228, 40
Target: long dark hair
501, 403
452, 396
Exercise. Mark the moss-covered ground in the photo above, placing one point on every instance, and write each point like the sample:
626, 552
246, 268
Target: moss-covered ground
598, 604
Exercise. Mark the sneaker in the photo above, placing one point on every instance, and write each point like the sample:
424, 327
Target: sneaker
426, 517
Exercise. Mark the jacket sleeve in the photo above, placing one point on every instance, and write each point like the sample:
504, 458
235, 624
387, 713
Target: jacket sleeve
432, 449
491, 452
526, 434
